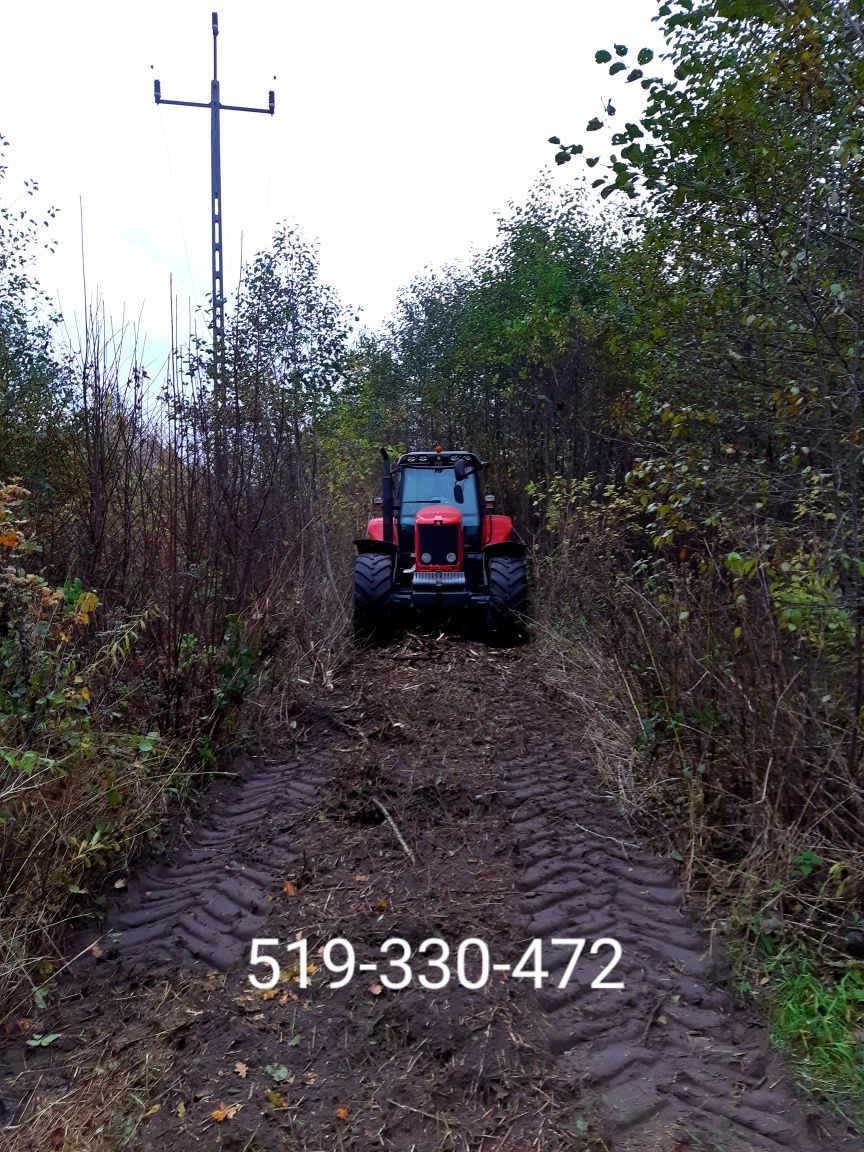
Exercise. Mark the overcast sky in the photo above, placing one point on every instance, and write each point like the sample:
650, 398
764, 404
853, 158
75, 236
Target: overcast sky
401, 129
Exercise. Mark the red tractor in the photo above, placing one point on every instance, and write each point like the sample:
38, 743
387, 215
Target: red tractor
438, 545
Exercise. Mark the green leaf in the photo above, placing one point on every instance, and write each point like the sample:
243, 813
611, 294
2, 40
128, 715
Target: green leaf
594, 125
620, 49
602, 57
554, 140
38, 1040
618, 66
645, 56
277, 1072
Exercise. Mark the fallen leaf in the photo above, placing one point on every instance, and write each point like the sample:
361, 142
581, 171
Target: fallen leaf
95, 950
152, 1111
294, 1041
225, 1112
277, 1072
275, 1098
375, 989
120, 883
181, 1109
342, 1113
383, 905
289, 888
241, 1069
360, 877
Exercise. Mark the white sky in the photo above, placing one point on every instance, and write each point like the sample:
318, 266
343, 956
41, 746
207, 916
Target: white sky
401, 129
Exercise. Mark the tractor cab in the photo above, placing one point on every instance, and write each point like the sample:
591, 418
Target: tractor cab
437, 544
426, 482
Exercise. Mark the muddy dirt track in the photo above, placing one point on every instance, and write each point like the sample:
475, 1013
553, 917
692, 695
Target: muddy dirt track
438, 792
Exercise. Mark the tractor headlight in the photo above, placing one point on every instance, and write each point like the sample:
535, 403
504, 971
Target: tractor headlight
426, 558
451, 557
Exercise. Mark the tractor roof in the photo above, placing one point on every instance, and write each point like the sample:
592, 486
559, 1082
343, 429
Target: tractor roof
435, 458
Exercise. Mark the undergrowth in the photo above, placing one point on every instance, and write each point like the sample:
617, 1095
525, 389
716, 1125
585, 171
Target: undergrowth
716, 699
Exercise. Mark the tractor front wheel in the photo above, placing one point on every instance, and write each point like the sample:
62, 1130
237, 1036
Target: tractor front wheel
373, 582
508, 600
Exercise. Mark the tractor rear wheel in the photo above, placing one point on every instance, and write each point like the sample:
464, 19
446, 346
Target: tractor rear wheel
508, 600
373, 582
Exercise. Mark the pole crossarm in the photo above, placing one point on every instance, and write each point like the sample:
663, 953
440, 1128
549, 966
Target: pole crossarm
222, 107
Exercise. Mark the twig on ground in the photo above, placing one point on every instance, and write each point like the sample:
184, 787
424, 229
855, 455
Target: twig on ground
398, 834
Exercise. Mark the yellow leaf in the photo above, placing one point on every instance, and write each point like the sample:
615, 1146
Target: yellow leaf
275, 1098
289, 888
152, 1111
87, 602
241, 1069
225, 1112
10, 539
181, 1109
85, 695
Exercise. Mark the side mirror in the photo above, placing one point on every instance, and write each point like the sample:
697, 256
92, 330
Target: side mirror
459, 470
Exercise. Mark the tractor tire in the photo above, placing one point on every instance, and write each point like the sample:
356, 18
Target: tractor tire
373, 582
508, 600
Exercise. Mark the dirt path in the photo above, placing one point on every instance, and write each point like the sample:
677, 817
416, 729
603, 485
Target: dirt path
440, 793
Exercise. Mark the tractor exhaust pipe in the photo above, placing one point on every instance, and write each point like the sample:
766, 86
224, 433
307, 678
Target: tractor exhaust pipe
387, 499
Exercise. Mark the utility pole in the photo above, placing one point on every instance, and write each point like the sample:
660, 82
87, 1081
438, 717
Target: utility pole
217, 222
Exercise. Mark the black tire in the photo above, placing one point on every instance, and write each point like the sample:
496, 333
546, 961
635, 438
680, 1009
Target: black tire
373, 583
508, 600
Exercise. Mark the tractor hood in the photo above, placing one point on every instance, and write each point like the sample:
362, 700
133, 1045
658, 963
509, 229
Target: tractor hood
438, 542
439, 514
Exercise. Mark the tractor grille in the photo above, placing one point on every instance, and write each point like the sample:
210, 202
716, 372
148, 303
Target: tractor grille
439, 579
438, 540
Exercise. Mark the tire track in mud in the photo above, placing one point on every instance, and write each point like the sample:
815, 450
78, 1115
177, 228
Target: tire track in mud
669, 1061
207, 899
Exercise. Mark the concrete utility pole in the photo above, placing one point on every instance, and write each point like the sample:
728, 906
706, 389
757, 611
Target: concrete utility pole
217, 224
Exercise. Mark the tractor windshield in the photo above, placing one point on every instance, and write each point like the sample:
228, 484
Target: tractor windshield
421, 486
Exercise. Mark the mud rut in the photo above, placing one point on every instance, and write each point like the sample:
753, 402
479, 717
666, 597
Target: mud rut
481, 771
